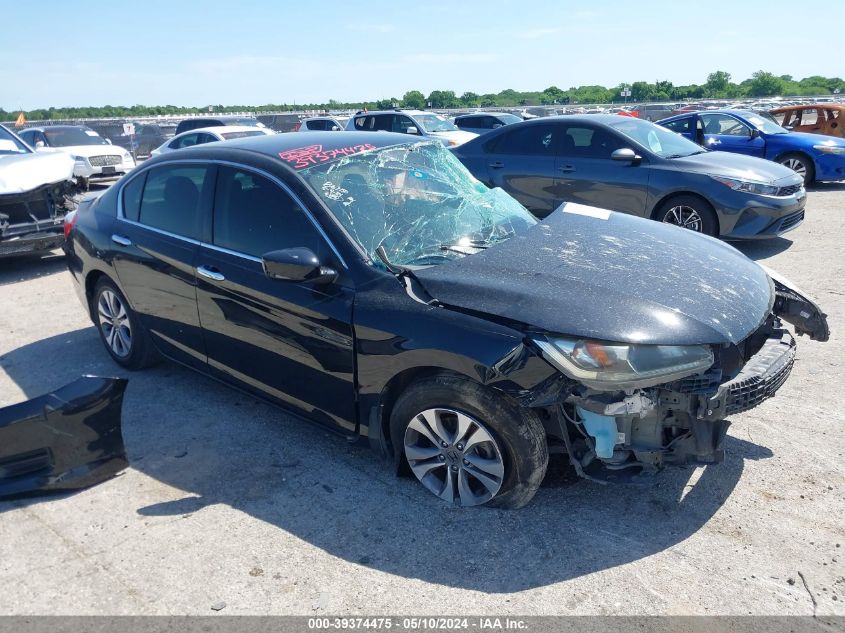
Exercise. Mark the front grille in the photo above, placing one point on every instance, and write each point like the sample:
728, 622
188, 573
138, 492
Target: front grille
26, 207
791, 189
791, 220
105, 161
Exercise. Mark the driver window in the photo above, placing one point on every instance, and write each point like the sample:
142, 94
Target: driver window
254, 215
402, 123
810, 116
724, 124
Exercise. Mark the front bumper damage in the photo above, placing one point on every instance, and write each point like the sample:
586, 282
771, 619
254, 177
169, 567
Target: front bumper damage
67, 439
618, 436
31, 221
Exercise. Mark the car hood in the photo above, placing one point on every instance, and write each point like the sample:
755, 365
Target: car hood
736, 166
92, 150
593, 273
459, 136
805, 140
20, 173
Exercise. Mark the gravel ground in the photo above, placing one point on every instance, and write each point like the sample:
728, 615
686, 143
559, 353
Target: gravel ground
231, 504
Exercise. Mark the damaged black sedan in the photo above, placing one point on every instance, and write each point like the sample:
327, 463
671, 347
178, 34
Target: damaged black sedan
373, 286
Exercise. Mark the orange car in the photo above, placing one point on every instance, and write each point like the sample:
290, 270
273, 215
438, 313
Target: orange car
827, 118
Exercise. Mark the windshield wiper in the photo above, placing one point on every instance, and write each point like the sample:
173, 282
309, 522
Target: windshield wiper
685, 155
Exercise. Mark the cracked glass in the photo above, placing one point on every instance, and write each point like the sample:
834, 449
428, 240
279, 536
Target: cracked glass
418, 202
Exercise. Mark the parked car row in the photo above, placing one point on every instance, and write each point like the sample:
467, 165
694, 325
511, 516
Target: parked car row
370, 283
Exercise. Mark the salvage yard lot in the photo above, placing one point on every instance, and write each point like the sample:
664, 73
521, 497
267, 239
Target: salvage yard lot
232, 504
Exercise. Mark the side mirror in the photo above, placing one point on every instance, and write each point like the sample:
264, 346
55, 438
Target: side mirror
335, 128
39, 144
497, 125
755, 134
296, 264
108, 140
412, 130
789, 128
627, 155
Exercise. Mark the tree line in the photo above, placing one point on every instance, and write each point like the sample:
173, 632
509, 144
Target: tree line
719, 85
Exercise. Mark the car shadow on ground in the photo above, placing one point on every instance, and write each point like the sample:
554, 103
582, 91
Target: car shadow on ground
827, 186
19, 269
762, 249
223, 447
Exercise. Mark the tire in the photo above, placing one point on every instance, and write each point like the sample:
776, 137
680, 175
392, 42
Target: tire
120, 330
801, 165
507, 440
689, 212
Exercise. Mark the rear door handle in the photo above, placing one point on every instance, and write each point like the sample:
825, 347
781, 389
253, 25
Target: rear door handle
497, 165
121, 239
210, 273
566, 168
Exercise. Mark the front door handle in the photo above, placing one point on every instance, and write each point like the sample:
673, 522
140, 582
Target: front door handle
210, 273
566, 168
497, 165
121, 239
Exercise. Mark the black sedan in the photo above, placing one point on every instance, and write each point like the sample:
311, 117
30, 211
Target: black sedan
637, 167
373, 286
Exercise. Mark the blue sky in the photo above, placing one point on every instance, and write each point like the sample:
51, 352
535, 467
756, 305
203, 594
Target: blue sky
251, 52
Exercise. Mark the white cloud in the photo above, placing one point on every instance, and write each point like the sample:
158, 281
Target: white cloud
450, 58
371, 27
535, 34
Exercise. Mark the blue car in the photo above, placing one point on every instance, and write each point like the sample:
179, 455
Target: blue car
815, 157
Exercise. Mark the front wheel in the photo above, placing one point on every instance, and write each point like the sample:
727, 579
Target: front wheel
689, 212
468, 445
801, 165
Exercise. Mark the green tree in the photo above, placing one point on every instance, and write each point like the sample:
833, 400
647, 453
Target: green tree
443, 99
414, 100
718, 83
764, 84
470, 99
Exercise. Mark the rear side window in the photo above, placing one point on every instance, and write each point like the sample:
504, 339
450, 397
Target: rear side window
538, 140
468, 122
680, 126
364, 123
171, 199
132, 197
254, 215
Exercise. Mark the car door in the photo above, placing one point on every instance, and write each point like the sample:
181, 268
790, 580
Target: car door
523, 162
164, 214
588, 174
729, 134
287, 340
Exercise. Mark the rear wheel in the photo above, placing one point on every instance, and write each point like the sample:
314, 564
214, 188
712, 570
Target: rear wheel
468, 445
801, 165
689, 212
120, 330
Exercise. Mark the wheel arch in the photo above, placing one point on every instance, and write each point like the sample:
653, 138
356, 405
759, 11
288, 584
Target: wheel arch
678, 194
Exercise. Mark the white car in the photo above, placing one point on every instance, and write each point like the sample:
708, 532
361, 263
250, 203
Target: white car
320, 124
210, 135
415, 122
36, 191
94, 157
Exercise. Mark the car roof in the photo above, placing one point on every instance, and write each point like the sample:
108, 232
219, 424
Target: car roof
323, 143
804, 106
394, 111
42, 128
226, 129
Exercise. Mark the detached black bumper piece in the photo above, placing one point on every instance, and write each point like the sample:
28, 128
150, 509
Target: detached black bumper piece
759, 379
67, 439
34, 243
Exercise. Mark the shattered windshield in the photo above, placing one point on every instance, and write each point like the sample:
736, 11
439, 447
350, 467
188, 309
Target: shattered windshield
418, 201
434, 123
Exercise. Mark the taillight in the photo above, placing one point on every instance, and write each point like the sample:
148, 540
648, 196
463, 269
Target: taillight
70, 221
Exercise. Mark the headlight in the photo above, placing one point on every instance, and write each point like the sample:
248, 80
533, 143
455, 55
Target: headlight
830, 149
748, 186
127, 157
79, 159
610, 366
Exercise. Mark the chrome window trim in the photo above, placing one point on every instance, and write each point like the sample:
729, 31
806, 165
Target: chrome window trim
138, 172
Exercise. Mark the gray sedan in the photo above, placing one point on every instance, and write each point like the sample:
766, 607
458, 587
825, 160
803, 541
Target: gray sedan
633, 166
